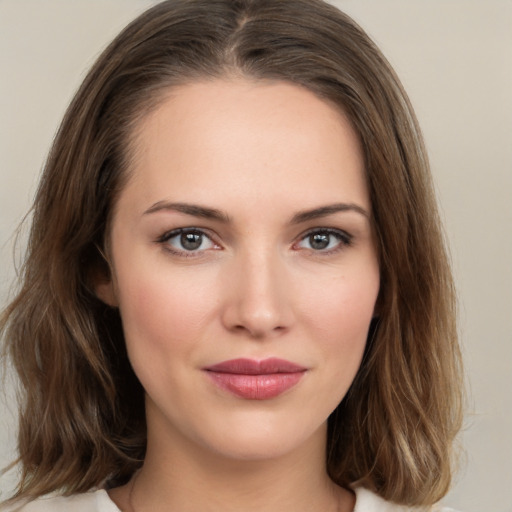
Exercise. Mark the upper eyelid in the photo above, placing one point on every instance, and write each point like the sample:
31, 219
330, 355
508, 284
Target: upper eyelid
177, 231
341, 232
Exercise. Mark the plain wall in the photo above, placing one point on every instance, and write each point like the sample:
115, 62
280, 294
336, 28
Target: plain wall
455, 60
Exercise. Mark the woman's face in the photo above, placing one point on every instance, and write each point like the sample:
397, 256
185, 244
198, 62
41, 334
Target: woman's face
244, 266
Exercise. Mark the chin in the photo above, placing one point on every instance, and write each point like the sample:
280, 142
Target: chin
262, 440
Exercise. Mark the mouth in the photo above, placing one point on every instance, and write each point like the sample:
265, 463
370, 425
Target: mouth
256, 380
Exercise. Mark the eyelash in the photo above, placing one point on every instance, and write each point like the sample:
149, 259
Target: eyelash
344, 240
166, 237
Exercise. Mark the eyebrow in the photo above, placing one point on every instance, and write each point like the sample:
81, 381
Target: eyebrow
324, 211
190, 209
218, 215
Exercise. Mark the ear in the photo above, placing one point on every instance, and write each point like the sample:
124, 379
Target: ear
105, 291
101, 279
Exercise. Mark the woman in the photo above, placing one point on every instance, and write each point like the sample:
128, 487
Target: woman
236, 294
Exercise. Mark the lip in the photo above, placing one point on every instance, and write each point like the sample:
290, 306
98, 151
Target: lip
256, 380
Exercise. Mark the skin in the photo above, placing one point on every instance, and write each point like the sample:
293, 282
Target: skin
259, 154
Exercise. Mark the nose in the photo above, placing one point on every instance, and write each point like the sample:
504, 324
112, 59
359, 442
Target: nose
258, 300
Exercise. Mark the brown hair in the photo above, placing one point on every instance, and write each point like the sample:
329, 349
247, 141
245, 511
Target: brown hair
82, 416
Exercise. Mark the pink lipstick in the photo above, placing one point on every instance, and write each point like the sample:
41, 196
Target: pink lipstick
256, 380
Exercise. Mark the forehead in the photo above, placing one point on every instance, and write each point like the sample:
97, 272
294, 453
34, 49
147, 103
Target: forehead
227, 138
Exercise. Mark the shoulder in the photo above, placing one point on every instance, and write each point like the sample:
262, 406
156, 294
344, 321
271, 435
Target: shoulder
93, 501
367, 501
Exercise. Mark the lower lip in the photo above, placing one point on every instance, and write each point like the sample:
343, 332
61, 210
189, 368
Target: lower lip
256, 387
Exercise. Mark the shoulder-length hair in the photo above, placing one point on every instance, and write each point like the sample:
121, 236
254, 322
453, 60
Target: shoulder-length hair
82, 414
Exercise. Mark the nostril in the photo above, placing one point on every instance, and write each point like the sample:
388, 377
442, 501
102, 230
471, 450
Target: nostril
257, 333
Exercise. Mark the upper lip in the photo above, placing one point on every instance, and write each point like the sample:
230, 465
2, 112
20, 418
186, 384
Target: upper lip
244, 366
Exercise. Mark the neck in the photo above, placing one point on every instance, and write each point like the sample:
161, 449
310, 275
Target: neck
182, 477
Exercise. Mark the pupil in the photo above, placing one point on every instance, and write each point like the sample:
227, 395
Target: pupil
191, 241
319, 240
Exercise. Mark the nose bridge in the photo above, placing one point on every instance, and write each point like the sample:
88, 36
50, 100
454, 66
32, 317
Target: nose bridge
259, 302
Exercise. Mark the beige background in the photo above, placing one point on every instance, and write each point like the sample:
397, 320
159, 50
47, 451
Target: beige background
455, 59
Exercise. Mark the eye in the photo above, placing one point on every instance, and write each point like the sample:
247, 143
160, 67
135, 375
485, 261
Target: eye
187, 240
324, 240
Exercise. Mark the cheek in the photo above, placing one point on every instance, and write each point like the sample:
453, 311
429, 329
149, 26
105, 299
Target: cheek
337, 313
344, 305
163, 313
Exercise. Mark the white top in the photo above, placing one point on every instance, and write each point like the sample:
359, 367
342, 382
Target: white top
99, 501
